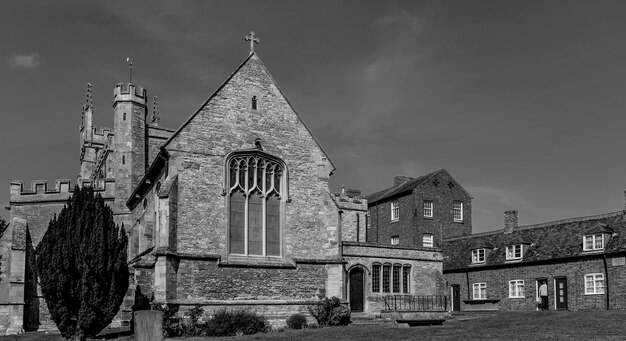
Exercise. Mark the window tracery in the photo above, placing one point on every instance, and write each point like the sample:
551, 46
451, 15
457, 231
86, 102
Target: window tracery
255, 188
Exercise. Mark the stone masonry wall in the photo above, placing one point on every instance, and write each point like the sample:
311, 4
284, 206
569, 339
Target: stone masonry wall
205, 280
426, 270
497, 281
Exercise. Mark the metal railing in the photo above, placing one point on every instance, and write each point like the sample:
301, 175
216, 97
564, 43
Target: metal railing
415, 302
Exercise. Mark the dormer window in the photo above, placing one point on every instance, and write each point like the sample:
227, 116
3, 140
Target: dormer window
593, 242
478, 256
514, 252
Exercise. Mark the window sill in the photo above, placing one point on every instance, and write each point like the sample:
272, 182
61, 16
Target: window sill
395, 220
481, 301
256, 262
593, 251
429, 218
594, 294
478, 263
516, 297
513, 260
459, 221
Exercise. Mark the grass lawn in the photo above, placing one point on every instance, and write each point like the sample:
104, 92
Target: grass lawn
552, 325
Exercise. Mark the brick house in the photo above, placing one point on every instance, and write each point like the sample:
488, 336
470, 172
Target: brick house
232, 209
583, 261
419, 211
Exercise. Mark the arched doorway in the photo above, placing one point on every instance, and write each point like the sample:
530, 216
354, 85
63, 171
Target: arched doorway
356, 289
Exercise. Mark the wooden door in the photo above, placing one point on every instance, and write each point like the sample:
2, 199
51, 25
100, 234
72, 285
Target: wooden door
356, 289
561, 293
456, 297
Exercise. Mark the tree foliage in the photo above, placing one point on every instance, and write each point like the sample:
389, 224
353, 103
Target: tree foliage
82, 266
3, 226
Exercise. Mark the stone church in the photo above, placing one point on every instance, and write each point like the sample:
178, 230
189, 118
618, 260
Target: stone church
232, 209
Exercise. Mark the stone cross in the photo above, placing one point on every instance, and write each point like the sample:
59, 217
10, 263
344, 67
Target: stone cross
252, 39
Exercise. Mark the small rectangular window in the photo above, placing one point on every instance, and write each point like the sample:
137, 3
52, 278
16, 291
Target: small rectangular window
395, 240
457, 211
478, 256
406, 274
480, 291
386, 278
396, 278
376, 278
367, 221
427, 240
516, 289
514, 252
395, 210
593, 242
594, 284
428, 209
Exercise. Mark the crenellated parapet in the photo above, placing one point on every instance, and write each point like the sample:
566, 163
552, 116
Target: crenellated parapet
128, 92
350, 199
40, 191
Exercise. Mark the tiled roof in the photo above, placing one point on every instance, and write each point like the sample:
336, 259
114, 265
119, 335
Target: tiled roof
392, 191
558, 239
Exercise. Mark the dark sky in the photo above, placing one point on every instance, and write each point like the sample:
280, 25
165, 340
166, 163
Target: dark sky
521, 101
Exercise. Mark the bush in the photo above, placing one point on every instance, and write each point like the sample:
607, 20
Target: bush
174, 326
171, 324
329, 312
235, 323
296, 321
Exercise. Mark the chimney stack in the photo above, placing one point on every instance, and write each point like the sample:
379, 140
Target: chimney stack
510, 221
400, 179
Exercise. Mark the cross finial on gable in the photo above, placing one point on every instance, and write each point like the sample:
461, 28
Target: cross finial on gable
252, 39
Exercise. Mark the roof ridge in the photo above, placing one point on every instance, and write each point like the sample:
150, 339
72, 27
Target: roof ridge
540, 225
208, 100
571, 220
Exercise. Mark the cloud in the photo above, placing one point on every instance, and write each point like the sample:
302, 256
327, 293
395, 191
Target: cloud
25, 61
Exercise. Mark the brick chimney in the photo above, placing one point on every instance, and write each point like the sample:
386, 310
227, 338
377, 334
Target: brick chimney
400, 179
510, 221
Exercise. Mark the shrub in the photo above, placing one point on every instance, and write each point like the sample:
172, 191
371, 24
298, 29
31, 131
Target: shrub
296, 321
236, 322
329, 312
192, 326
171, 324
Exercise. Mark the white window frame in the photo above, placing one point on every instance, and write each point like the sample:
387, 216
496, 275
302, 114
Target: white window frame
511, 250
479, 291
395, 240
478, 256
395, 210
516, 288
594, 238
429, 208
428, 240
594, 284
457, 211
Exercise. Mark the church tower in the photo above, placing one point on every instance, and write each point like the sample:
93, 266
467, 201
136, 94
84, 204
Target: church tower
130, 145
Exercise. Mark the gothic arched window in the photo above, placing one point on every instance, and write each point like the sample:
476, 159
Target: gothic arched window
256, 190
254, 102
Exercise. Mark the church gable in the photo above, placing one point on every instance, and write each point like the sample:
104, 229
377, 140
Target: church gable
246, 107
252, 174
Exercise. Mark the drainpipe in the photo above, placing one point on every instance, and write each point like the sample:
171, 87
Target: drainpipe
377, 226
606, 281
468, 287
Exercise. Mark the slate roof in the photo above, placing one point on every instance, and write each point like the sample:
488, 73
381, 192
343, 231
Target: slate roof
405, 187
549, 241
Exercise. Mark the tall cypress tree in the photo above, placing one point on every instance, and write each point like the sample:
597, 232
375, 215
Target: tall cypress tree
82, 266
